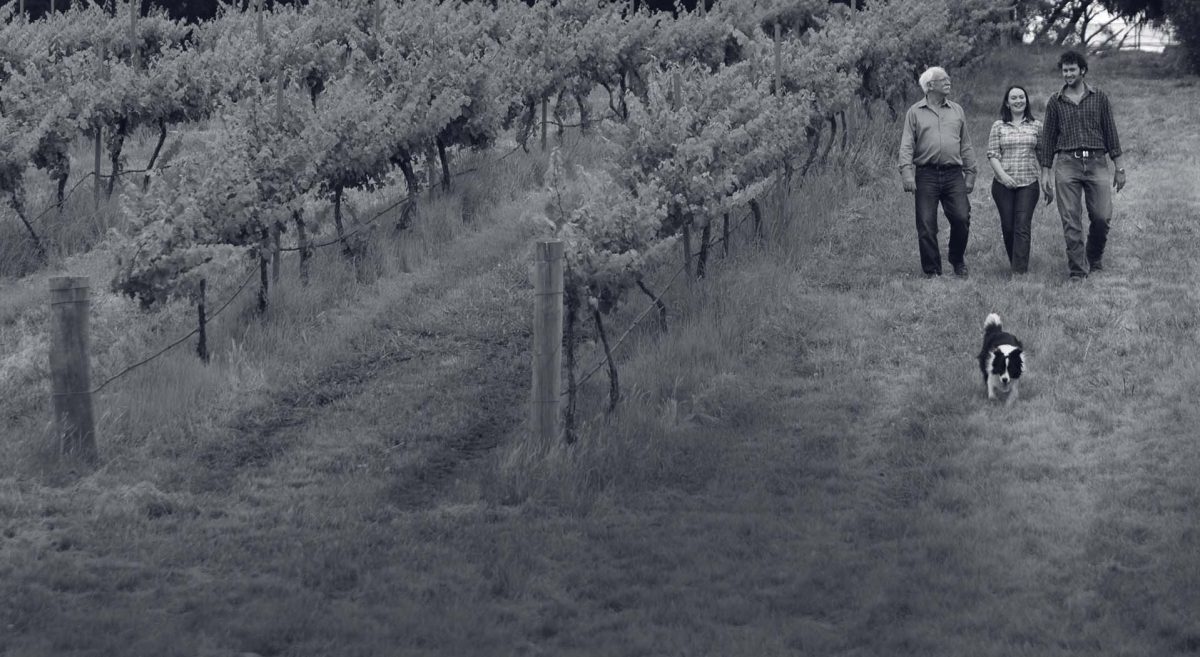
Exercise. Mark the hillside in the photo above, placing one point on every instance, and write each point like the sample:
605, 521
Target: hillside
805, 463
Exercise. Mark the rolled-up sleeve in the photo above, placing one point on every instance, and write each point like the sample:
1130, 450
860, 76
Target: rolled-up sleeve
993, 145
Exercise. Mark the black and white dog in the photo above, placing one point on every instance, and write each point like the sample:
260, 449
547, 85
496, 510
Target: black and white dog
1001, 360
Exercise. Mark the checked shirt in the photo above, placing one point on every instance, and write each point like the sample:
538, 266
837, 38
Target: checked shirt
1015, 145
1070, 127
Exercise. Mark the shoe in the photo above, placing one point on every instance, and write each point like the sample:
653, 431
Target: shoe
960, 270
1096, 266
1076, 278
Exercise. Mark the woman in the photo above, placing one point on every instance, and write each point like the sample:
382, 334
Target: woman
1012, 152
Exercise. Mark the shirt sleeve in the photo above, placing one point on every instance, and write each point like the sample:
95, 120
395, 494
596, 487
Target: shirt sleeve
906, 141
1112, 143
965, 149
1045, 146
993, 145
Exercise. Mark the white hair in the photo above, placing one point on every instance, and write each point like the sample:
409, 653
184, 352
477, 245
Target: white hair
927, 76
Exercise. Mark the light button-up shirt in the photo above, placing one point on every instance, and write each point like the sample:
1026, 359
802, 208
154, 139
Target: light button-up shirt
937, 136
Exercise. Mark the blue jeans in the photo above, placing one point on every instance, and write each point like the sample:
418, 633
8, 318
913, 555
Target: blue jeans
1080, 181
947, 186
1016, 208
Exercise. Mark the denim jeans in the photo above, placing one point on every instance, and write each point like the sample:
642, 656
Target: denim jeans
1079, 181
947, 186
1016, 208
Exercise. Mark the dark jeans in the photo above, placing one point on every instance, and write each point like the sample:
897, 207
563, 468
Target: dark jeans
1016, 208
1080, 182
947, 186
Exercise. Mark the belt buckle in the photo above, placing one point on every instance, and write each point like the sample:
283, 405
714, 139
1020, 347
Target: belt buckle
1086, 153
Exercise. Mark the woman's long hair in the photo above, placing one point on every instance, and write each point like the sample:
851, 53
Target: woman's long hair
1006, 113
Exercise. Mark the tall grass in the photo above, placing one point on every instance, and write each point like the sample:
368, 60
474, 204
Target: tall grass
175, 397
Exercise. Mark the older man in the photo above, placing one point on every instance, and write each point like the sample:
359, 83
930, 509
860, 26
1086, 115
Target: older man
937, 163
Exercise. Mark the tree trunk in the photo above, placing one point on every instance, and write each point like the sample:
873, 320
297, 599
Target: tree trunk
845, 130
116, 141
276, 254
658, 302
1055, 14
305, 250
412, 209
813, 136
162, 138
725, 235
584, 117
702, 261
756, 210
18, 203
686, 241
337, 215
264, 285
61, 178
614, 386
441, 149
833, 126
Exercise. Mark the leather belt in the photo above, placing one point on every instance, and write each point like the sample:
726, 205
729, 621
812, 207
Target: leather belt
1081, 153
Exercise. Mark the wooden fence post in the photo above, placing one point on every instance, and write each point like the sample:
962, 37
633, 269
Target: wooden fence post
70, 381
778, 63
134, 51
547, 342
202, 340
258, 21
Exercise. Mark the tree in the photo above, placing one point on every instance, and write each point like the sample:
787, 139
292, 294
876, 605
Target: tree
1182, 15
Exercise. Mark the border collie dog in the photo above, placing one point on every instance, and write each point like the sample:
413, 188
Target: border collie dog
1001, 360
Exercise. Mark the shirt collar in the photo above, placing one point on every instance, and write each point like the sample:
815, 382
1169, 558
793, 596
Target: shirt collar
1087, 90
924, 102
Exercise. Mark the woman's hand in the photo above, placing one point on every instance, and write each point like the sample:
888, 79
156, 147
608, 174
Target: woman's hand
1007, 180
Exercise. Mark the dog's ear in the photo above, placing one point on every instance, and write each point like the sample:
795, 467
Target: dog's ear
1016, 363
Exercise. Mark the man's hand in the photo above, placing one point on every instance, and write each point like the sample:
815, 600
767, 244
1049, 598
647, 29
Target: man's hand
909, 179
1119, 180
1047, 187
970, 181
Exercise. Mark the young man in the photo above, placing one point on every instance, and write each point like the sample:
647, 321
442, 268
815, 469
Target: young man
937, 163
1078, 133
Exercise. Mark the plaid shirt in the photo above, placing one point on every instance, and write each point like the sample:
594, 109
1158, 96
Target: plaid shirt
1015, 145
1071, 126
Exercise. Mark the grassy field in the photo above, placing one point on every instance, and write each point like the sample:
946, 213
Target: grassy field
805, 464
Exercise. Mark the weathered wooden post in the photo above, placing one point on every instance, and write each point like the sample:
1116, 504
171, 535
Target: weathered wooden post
71, 388
547, 341
258, 21
202, 340
778, 63
135, 52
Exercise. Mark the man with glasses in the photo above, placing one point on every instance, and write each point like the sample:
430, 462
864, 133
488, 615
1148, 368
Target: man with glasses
1078, 134
937, 164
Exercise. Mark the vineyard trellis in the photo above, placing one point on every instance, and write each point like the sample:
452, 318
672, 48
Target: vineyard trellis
707, 112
